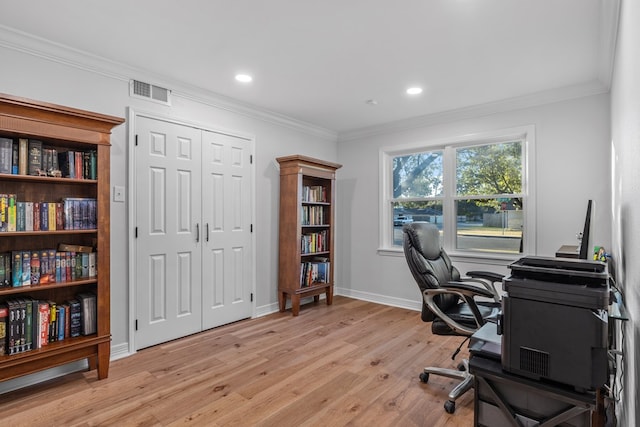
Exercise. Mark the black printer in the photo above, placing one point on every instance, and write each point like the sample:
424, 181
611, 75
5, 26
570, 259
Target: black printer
555, 321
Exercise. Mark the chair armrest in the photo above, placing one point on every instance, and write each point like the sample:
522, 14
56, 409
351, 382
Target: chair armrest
486, 279
488, 275
467, 293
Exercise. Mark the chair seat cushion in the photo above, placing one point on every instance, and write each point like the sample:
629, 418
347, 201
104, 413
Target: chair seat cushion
461, 313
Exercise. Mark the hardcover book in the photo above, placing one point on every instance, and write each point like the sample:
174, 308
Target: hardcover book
4, 315
23, 155
4, 220
35, 268
88, 309
6, 155
34, 164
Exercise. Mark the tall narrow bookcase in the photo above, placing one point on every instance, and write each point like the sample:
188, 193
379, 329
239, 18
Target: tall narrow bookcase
62, 130
307, 230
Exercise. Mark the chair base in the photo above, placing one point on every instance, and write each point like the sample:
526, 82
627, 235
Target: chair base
461, 388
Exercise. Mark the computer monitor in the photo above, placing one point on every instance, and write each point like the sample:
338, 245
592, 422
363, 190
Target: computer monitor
586, 232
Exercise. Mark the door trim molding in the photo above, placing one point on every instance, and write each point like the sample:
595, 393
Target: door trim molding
132, 114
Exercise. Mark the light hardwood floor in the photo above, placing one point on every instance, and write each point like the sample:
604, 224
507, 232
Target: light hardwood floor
352, 363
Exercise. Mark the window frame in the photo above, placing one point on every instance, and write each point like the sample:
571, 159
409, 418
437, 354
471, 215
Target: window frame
448, 146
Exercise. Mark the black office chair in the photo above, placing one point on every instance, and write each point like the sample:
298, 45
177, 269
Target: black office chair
448, 299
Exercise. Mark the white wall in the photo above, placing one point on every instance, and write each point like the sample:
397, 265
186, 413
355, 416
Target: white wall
625, 146
572, 166
32, 74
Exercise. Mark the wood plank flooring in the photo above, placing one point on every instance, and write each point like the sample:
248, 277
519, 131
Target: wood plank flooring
353, 363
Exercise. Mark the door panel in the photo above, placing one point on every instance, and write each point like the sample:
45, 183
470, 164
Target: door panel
227, 254
168, 251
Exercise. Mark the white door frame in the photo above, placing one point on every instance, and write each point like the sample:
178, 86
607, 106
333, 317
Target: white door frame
131, 207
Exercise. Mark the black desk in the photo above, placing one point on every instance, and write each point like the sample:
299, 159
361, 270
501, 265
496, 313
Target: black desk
505, 399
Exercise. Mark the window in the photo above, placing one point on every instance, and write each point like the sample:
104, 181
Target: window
474, 189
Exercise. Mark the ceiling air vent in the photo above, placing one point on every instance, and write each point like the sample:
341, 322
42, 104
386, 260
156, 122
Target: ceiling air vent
151, 92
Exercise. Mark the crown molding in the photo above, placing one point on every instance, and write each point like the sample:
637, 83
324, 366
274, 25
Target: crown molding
609, 24
540, 98
38, 47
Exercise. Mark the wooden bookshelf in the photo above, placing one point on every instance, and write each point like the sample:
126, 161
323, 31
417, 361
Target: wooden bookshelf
61, 128
307, 232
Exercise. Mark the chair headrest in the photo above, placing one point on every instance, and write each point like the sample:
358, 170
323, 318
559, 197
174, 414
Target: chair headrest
424, 237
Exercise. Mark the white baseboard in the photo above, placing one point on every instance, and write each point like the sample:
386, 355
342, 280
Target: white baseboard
415, 305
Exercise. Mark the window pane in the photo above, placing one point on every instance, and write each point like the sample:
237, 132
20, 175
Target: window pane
429, 211
417, 175
489, 169
489, 225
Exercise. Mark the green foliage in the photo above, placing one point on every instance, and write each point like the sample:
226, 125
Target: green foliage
491, 170
417, 175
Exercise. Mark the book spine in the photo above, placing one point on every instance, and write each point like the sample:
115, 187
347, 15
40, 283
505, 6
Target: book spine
16, 269
28, 216
36, 216
4, 203
11, 213
23, 155
35, 267
44, 267
14, 159
58, 267
4, 315
6, 155
26, 268
51, 254
43, 328
44, 216
51, 208
21, 216
34, 165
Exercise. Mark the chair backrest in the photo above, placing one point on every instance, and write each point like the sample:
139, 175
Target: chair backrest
428, 262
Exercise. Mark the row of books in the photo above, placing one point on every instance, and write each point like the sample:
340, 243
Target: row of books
313, 273
41, 267
28, 324
69, 214
30, 157
314, 242
313, 215
314, 193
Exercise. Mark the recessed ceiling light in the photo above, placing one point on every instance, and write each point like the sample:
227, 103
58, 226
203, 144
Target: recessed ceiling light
244, 78
414, 90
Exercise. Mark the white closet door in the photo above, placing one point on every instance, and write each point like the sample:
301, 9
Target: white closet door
227, 255
168, 260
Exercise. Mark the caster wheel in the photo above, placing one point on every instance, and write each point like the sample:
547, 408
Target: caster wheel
450, 406
461, 367
424, 377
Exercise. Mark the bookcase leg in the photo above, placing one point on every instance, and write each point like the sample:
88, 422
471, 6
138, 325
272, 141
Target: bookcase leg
329, 295
104, 351
282, 301
93, 362
295, 304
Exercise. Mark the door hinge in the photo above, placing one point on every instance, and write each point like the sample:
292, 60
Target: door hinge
136, 232
251, 229
136, 324
136, 140
251, 296
251, 159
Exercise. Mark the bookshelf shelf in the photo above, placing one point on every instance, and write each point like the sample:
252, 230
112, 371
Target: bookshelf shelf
307, 211
47, 287
87, 134
46, 179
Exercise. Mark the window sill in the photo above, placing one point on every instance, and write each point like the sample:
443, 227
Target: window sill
479, 258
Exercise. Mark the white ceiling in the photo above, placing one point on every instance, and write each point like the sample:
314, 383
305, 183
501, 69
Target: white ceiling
320, 61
